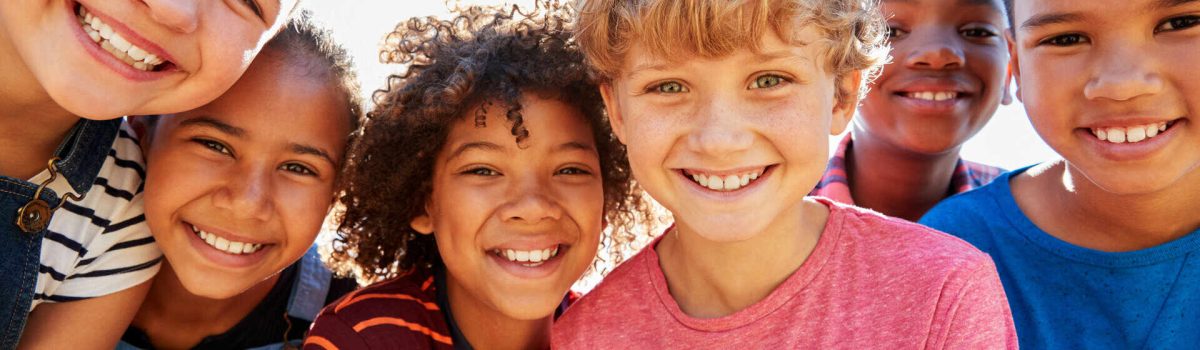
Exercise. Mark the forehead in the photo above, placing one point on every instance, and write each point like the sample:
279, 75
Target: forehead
1036, 13
550, 123
996, 5
805, 45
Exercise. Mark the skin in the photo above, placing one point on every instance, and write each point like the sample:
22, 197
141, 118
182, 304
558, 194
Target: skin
905, 149
1107, 64
490, 193
52, 78
259, 164
747, 110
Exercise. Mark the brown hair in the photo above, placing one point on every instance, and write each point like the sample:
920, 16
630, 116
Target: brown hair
483, 57
854, 30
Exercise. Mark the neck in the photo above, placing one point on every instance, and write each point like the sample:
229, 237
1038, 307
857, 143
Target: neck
1070, 207
483, 324
711, 279
34, 125
897, 182
173, 317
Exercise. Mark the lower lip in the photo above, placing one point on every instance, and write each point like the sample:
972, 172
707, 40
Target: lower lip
519, 270
1129, 151
919, 106
105, 58
220, 257
726, 195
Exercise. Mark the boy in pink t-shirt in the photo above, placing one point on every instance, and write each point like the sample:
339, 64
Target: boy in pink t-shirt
726, 110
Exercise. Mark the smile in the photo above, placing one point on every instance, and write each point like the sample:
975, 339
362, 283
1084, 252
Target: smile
1131, 134
225, 245
117, 45
725, 182
528, 258
932, 95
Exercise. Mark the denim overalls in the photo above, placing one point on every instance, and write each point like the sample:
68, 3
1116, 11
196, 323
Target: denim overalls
81, 155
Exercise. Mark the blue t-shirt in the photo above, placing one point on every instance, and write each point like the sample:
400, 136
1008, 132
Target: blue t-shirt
1065, 296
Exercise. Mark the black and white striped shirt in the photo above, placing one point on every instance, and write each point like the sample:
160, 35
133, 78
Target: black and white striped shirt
101, 244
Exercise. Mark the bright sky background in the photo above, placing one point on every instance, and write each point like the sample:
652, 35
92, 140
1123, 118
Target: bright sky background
1007, 141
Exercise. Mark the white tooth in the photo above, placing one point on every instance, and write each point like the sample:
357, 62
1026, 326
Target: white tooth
522, 256
510, 254
1162, 127
745, 179
222, 243
236, 247
1151, 130
120, 43
92, 33
703, 180
716, 183
1101, 134
1116, 135
211, 239
96, 24
1135, 134
538, 256
140, 65
136, 53
732, 182
554, 252
941, 96
107, 46
249, 248
754, 176
1095, 132
546, 254
105, 31
204, 235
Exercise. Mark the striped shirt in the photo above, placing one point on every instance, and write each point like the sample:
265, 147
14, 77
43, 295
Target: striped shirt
835, 184
101, 244
399, 313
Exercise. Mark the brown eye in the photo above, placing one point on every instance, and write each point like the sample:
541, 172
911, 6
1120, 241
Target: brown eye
214, 146
299, 169
1064, 40
1178, 23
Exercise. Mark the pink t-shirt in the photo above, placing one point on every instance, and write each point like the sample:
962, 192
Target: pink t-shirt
872, 282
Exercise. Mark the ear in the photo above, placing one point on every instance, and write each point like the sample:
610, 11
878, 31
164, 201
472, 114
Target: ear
423, 223
1014, 69
843, 110
612, 108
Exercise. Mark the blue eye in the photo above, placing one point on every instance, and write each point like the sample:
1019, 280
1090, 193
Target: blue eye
767, 81
670, 87
298, 168
1178, 23
1064, 40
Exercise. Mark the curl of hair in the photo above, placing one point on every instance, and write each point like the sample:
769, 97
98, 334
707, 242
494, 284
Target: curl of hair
484, 57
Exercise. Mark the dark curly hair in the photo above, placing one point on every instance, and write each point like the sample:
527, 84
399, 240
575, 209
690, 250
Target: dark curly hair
483, 57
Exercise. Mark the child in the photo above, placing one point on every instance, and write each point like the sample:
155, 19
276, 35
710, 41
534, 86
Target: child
949, 75
725, 109
259, 164
480, 187
1097, 250
69, 70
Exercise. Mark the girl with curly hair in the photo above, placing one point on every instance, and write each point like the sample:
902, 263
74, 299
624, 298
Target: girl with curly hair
479, 189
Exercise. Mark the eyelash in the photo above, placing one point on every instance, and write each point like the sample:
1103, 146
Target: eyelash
1063, 40
981, 33
214, 146
573, 171
1178, 23
299, 169
660, 88
755, 84
253, 5
480, 171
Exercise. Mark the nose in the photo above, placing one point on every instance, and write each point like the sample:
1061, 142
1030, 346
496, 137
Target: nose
935, 52
1124, 73
721, 131
247, 195
530, 201
179, 15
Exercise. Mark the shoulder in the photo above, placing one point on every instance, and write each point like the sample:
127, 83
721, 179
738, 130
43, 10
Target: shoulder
894, 244
974, 215
982, 174
624, 293
401, 311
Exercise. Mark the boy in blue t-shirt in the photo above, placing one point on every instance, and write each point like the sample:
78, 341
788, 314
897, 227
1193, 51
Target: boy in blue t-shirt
1099, 250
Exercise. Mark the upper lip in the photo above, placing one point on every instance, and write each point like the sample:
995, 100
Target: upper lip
131, 36
934, 84
227, 234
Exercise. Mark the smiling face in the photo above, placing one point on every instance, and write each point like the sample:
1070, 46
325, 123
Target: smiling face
729, 145
1111, 86
948, 74
517, 225
237, 190
106, 59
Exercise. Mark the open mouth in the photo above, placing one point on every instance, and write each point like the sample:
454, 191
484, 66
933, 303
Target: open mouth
527, 258
1131, 134
225, 245
725, 182
931, 95
118, 46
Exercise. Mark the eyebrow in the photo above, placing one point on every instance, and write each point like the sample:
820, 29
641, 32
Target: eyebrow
215, 124
1046, 19
575, 146
481, 145
312, 150
989, 3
